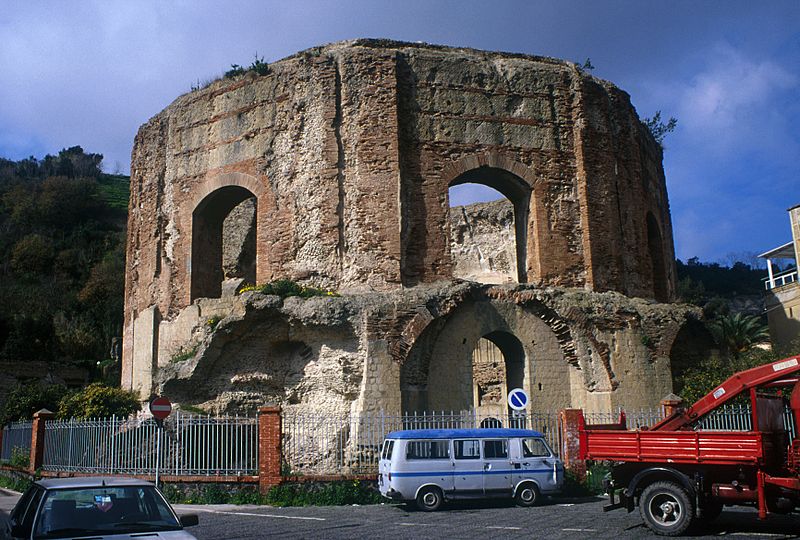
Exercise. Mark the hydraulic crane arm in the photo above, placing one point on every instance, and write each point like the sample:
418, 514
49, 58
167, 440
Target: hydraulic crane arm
735, 385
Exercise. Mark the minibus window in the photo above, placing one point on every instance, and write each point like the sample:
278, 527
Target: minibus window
495, 449
534, 448
428, 450
388, 446
469, 449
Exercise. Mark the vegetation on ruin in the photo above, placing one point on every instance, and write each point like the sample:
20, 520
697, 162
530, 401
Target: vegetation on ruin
258, 66
286, 288
62, 253
185, 353
658, 129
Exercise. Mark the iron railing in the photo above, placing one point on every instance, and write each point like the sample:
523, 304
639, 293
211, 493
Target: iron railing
321, 443
190, 445
16, 440
779, 280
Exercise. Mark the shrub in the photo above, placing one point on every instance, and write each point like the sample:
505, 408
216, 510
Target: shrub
286, 288
258, 66
20, 458
24, 400
98, 400
184, 354
323, 494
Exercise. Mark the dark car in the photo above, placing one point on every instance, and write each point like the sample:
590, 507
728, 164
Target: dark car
99, 507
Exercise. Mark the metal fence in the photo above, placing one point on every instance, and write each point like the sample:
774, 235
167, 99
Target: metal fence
322, 443
16, 440
189, 445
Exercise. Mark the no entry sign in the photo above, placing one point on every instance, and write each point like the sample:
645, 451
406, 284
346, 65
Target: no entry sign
160, 407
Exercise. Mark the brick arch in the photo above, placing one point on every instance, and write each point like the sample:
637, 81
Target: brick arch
209, 204
515, 182
217, 181
494, 160
421, 339
409, 327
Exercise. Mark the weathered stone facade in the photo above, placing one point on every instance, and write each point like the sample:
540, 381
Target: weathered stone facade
346, 153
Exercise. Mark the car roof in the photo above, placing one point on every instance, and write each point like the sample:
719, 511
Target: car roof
478, 433
91, 482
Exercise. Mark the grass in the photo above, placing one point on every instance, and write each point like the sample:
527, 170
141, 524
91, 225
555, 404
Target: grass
184, 354
115, 190
15, 484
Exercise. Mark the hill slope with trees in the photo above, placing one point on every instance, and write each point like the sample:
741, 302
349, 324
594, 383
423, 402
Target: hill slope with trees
62, 253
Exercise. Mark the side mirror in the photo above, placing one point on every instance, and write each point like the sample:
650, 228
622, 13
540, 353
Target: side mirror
189, 520
17, 531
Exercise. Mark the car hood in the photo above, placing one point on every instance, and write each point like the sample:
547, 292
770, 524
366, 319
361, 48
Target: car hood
167, 535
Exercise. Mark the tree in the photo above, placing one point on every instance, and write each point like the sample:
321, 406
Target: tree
98, 401
659, 129
737, 333
24, 400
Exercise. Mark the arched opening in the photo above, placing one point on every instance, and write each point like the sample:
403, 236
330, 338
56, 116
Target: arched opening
223, 241
488, 226
655, 248
498, 366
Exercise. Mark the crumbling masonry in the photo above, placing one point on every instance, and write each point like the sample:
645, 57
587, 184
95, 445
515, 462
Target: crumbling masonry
333, 170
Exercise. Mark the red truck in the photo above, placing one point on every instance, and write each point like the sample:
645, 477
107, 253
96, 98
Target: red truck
676, 472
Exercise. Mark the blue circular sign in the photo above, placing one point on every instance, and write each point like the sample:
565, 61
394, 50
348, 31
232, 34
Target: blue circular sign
518, 399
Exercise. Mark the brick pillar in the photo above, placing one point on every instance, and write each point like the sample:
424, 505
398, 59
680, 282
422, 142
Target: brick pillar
270, 433
40, 418
570, 421
670, 404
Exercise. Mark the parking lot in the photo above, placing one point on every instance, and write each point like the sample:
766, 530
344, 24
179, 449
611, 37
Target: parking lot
576, 518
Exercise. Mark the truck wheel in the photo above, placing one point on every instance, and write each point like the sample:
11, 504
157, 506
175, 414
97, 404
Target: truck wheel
666, 508
429, 498
527, 495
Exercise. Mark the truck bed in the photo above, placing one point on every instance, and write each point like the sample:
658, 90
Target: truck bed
712, 447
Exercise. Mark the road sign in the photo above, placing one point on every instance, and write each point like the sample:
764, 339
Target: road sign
160, 407
518, 399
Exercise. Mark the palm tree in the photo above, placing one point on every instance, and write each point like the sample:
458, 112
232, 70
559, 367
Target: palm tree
738, 332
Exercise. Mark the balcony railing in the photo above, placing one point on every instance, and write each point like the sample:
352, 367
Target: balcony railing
779, 280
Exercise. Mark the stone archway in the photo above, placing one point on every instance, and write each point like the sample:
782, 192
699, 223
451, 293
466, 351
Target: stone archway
218, 243
655, 249
498, 366
518, 192
438, 372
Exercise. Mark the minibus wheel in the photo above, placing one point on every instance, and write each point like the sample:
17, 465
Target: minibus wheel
527, 494
429, 498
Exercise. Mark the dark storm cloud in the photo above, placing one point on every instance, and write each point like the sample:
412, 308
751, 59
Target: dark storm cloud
90, 73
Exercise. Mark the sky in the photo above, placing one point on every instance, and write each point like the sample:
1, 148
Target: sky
89, 73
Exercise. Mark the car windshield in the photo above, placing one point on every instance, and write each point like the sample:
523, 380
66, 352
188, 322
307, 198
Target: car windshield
103, 511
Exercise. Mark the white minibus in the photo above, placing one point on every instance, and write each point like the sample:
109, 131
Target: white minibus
429, 466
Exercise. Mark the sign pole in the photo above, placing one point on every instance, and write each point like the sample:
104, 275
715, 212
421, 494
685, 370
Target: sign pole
160, 428
160, 407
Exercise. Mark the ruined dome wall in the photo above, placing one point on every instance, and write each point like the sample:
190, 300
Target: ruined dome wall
593, 170
350, 149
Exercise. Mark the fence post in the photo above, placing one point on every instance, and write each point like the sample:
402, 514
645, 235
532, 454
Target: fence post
670, 404
569, 420
40, 418
270, 435
2, 431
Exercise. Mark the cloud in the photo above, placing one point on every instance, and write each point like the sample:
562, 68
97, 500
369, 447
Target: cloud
734, 103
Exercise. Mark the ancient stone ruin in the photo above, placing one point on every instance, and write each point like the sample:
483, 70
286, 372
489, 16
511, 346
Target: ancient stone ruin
333, 170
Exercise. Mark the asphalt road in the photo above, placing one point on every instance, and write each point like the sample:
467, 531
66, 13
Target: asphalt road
574, 519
